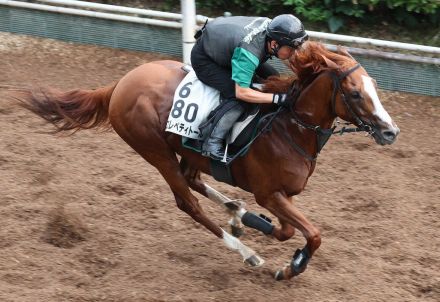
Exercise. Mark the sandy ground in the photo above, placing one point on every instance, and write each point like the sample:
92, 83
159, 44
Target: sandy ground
84, 218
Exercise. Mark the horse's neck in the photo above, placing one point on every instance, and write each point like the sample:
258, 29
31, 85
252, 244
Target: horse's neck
314, 104
313, 107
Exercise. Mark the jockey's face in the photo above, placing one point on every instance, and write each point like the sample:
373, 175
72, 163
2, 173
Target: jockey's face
285, 52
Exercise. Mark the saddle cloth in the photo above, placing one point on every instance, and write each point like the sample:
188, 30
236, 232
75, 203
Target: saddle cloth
193, 102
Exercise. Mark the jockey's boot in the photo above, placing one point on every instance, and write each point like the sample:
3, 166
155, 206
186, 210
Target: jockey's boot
214, 145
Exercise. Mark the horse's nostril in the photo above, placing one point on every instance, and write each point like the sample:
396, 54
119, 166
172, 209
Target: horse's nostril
389, 135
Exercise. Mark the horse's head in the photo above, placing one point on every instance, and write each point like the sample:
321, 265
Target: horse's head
354, 97
358, 102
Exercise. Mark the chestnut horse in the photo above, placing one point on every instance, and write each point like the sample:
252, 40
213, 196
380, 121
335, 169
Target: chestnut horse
277, 165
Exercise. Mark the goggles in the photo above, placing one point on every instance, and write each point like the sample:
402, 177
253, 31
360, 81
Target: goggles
295, 43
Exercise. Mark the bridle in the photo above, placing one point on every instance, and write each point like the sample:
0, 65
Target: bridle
337, 79
322, 134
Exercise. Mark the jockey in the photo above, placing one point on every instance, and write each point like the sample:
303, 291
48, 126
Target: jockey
228, 53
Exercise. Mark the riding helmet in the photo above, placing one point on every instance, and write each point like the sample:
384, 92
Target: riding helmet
287, 30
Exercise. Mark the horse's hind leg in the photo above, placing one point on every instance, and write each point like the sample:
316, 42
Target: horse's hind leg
167, 164
231, 206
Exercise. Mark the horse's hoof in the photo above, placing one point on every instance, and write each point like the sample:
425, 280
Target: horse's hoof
254, 261
279, 275
282, 274
237, 231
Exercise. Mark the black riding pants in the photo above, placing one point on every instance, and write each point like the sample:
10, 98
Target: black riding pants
218, 77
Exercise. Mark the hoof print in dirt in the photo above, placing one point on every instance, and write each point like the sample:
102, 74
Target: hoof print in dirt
64, 229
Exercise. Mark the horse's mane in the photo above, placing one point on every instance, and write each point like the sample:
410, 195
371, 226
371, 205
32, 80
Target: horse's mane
307, 63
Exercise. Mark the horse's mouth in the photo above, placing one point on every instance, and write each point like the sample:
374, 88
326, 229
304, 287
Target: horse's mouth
385, 136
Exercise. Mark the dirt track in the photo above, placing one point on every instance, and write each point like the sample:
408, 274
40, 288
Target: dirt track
84, 218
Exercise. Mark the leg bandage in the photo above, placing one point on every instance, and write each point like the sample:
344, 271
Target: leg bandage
254, 221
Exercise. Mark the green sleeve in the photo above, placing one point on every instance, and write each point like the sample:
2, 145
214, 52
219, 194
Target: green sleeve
244, 63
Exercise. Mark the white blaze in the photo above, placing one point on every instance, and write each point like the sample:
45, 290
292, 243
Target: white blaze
379, 111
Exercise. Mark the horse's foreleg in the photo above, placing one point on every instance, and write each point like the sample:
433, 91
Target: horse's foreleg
235, 208
285, 232
241, 216
282, 207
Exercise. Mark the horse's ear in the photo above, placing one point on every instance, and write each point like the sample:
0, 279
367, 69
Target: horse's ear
343, 51
330, 63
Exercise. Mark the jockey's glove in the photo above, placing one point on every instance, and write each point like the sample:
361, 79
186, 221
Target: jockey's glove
281, 99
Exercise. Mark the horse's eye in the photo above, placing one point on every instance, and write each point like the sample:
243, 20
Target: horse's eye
355, 95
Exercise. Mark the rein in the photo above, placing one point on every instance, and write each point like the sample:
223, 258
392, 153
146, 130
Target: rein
267, 119
322, 134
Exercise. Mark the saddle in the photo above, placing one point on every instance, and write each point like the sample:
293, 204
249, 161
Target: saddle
240, 134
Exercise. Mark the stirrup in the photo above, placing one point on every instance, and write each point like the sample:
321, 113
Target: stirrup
220, 156
225, 156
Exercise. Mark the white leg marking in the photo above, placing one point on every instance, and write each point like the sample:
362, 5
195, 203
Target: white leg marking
236, 245
221, 199
236, 222
241, 212
216, 196
379, 111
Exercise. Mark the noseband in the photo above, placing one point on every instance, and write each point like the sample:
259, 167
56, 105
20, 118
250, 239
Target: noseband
323, 135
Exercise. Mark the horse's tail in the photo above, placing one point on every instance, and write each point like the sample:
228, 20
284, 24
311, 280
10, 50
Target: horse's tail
71, 110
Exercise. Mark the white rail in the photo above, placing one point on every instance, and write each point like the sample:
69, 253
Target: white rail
79, 12
123, 9
199, 18
387, 55
375, 42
